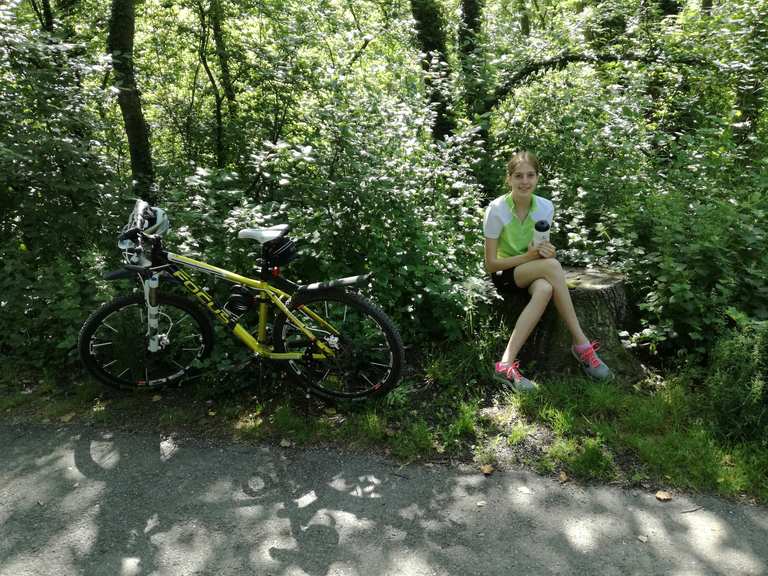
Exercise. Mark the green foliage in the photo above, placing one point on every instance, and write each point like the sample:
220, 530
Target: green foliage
652, 135
737, 384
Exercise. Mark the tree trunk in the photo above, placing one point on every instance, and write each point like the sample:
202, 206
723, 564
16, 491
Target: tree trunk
217, 19
431, 35
44, 14
750, 90
525, 18
600, 303
471, 58
221, 153
120, 47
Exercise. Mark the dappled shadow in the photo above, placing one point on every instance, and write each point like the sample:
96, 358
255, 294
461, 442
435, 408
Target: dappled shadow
90, 502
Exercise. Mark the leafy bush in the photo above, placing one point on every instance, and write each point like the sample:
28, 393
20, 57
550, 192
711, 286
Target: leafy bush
737, 385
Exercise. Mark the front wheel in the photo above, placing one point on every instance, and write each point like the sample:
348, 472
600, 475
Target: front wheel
114, 345
368, 349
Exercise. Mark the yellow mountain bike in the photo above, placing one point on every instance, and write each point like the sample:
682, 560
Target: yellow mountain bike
337, 342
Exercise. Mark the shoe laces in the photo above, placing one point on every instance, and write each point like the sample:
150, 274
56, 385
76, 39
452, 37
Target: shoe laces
511, 370
589, 356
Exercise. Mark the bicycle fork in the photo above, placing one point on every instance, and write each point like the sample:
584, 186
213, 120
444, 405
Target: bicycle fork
153, 312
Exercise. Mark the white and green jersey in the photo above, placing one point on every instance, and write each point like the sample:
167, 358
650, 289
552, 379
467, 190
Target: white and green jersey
514, 236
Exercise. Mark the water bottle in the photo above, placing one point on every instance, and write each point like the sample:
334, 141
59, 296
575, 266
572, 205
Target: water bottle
540, 232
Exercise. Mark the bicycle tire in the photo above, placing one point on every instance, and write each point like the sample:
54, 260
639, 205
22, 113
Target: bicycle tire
369, 351
113, 342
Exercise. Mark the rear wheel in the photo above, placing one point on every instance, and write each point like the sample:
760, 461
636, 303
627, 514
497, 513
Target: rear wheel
368, 349
114, 345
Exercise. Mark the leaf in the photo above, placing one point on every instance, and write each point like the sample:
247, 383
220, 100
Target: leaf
487, 469
67, 417
481, 503
524, 490
643, 539
156, 398
563, 477
663, 496
285, 443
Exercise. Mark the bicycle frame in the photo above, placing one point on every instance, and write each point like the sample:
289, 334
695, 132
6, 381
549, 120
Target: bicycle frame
269, 296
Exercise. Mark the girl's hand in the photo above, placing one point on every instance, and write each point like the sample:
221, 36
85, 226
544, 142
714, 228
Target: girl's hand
533, 252
546, 250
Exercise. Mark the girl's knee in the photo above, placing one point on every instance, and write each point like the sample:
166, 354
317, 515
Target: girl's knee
541, 289
553, 266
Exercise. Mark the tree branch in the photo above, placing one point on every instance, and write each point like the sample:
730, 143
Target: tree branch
562, 60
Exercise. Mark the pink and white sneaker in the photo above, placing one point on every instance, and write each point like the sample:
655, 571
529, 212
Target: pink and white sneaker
510, 375
591, 363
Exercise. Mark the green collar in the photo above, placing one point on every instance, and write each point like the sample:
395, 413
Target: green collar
512, 207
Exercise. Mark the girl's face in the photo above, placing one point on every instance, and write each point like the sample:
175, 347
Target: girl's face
523, 180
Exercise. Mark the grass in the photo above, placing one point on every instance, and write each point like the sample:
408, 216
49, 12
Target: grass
647, 435
660, 433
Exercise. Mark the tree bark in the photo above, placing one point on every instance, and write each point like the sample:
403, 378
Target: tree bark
44, 14
431, 36
469, 50
525, 18
750, 90
221, 153
120, 47
600, 302
217, 19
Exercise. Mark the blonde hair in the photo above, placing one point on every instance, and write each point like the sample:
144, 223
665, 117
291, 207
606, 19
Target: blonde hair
520, 158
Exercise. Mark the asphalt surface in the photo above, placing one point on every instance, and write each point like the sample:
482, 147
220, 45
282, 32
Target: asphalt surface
83, 501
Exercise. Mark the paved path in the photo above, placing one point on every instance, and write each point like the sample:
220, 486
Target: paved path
81, 501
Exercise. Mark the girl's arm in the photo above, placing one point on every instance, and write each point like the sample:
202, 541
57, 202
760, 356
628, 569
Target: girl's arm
494, 263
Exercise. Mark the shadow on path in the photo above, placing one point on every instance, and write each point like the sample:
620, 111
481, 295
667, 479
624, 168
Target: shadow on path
82, 501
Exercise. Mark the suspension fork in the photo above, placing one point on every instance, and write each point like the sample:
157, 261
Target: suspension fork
151, 285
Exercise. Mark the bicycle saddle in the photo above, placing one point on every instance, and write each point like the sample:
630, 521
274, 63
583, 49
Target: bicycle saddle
262, 235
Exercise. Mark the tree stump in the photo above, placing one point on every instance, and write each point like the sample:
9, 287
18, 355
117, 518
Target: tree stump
600, 302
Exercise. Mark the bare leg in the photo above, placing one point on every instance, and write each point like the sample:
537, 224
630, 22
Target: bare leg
540, 291
551, 270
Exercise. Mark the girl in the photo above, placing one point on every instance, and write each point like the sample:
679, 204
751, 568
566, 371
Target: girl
514, 262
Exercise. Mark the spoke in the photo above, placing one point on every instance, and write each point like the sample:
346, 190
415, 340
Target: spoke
366, 379
380, 364
324, 377
123, 372
102, 344
344, 319
110, 327
110, 364
191, 349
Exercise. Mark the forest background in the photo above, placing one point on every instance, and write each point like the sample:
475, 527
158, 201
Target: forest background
379, 129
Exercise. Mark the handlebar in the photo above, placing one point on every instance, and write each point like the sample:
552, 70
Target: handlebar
132, 234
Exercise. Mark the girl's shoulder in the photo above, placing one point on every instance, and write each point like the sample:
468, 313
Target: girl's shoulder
544, 202
499, 204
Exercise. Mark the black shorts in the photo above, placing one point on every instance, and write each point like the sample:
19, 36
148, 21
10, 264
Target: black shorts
505, 283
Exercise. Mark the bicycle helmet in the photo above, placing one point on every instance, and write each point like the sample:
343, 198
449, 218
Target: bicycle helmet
158, 223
